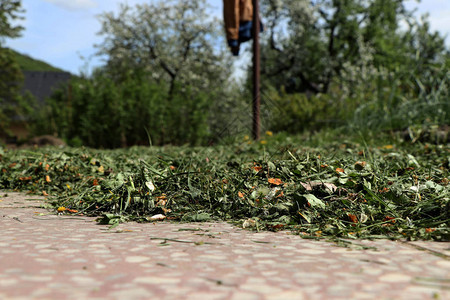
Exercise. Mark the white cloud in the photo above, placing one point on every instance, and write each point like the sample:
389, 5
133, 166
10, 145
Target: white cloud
74, 4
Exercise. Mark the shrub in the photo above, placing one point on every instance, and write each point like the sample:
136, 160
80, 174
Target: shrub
101, 113
294, 113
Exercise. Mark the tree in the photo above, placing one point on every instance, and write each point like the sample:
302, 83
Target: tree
174, 41
10, 74
323, 62
312, 44
166, 80
178, 46
10, 10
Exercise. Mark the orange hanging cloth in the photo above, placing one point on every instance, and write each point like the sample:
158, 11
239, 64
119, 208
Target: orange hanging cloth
238, 16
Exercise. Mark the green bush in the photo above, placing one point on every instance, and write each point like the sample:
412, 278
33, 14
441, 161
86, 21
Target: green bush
11, 79
294, 113
385, 101
102, 113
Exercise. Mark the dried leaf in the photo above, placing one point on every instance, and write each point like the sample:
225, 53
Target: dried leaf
353, 218
150, 186
275, 181
359, 165
158, 217
257, 168
388, 218
249, 223
312, 185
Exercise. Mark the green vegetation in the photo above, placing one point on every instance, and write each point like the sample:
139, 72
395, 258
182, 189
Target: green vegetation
325, 64
329, 46
164, 82
332, 71
10, 10
102, 113
389, 103
13, 105
341, 189
27, 63
323, 61
10, 74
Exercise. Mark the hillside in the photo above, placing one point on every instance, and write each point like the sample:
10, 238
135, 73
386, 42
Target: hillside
28, 63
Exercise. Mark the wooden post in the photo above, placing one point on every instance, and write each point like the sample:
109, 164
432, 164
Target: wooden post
256, 72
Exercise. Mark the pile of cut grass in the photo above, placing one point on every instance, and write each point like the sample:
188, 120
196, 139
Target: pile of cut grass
338, 190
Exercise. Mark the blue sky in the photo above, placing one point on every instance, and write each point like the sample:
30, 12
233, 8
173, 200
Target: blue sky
61, 31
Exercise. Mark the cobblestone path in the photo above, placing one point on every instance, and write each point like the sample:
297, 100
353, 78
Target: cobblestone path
45, 256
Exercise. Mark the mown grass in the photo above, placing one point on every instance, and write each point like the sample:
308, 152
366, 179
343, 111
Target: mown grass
337, 189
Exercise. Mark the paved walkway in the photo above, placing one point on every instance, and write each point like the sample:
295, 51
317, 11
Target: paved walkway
59, 257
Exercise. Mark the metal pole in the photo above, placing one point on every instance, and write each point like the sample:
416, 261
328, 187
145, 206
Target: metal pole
256, 71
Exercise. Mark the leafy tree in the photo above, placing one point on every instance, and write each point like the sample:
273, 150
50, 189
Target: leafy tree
324, 60
175, 41
10, 74
177, 46
166, 81
312, 44
10, 10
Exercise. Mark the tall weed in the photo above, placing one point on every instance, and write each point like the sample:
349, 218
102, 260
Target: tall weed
400, 103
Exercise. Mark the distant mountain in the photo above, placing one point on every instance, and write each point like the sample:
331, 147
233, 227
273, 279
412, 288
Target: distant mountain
28, 63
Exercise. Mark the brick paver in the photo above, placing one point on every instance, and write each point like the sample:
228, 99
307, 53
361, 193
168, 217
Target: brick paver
45, 256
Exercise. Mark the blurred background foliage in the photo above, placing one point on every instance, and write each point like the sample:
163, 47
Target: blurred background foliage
362, 66
368, 65
11, 103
